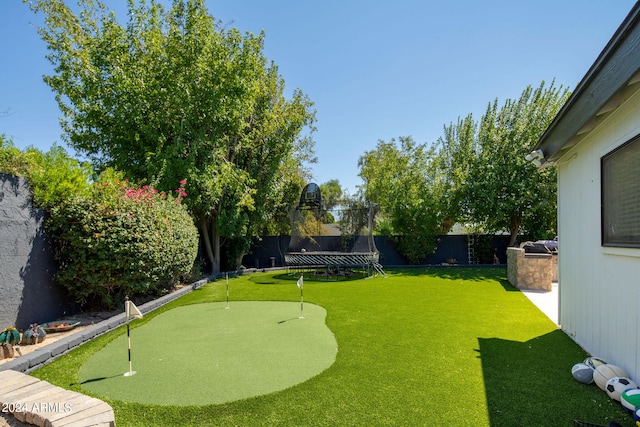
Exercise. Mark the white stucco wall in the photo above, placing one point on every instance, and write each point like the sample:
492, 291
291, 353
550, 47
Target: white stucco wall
599, 287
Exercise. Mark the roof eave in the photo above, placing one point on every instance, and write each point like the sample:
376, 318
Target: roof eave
596, 93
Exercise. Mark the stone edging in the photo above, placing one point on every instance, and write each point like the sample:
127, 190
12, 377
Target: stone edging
24, 396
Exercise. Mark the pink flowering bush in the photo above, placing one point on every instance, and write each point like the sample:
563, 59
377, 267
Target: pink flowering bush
122, 240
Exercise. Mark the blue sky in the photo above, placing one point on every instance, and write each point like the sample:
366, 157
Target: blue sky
374, 69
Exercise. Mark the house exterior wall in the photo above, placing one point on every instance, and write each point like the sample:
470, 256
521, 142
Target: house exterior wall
599, 287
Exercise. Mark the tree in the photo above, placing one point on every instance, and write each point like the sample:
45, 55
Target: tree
452, 163
331, 198
401, 180
293, 181
503, 191
172, 95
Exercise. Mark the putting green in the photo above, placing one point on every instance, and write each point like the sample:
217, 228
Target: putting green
206, 354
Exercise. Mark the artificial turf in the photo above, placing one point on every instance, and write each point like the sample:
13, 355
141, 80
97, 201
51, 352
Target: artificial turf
203, 354
422, 347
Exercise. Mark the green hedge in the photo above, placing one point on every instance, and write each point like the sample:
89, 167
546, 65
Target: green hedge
122, 240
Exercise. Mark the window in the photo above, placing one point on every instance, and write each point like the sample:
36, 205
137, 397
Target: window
620, 171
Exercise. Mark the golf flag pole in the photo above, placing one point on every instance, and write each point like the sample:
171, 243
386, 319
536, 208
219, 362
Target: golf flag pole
227, 276
301, 285
130, 310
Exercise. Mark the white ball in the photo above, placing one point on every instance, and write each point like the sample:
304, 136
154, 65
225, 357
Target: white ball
616, 385
604, 373
630, 399
594, 362
582, 373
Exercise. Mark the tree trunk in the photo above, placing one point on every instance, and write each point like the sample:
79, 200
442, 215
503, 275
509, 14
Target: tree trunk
239, 260
204, 232
513, 230
215, 239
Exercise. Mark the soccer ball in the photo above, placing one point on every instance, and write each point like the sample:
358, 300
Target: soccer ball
594, 362
616, 385
630, 399
604, 373
582, 373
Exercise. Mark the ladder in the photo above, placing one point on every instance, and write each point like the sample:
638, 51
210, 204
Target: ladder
379, 270
471, 253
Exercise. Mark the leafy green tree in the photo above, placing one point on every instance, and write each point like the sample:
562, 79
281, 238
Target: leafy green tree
331, 193
331, 198
400, 179
503, 191
293, 181
173, 95
452, 164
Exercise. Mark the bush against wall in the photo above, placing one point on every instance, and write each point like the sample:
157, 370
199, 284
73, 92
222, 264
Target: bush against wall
122, 240
53, 175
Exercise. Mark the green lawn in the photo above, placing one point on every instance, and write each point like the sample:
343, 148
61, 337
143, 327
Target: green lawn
422, 347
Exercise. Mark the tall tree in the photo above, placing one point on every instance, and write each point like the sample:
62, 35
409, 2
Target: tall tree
331, 193
452, 163
503, 190
400, 179
331, 198
172, 95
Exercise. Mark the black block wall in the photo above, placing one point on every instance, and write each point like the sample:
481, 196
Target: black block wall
27, 292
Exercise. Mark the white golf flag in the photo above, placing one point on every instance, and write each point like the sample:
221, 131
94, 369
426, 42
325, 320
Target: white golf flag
300, 282
131, 310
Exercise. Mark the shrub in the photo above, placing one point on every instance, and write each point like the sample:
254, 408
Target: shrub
12, 160
416, 248
56, 177
53, 176
122, 240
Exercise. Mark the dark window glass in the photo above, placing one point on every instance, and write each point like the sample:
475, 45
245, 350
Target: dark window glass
621, 195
